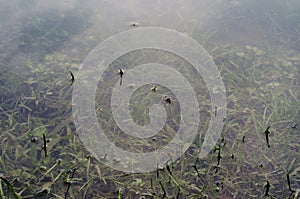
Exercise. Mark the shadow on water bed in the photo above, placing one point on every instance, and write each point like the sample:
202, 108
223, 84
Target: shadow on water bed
47, 32
44, 33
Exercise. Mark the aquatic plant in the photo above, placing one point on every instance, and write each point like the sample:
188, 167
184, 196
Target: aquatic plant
263, 100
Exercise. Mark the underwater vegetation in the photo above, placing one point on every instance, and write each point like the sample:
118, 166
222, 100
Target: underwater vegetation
41, 33
49, 31
41, 155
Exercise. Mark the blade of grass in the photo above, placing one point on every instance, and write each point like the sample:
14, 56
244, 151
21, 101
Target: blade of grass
10, 187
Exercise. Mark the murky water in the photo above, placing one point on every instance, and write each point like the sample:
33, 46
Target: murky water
254, 44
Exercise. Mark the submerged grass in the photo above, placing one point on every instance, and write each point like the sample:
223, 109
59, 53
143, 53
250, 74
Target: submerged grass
238, 168
40, 150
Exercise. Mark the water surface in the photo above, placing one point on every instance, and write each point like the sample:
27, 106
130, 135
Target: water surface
255, 45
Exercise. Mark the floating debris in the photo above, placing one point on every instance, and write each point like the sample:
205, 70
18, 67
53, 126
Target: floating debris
72, 77
154, 88
267, 132
45, 145
267, 187
168, 100
134, 24
243, 139
121, 73
71, 172
34, 139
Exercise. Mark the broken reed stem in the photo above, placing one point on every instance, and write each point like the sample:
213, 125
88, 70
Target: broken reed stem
69, 184
45, 144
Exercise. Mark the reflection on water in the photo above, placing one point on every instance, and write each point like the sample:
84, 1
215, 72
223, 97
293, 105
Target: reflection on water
255, 45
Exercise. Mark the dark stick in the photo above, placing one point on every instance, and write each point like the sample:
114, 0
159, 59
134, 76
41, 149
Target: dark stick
163, 189
216, 108
267, 132
289, 182
151, 183
72, 77
198, 174
169, 170
267, 188
121, 73
178, 194
45, 144
219, 156
69, 184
